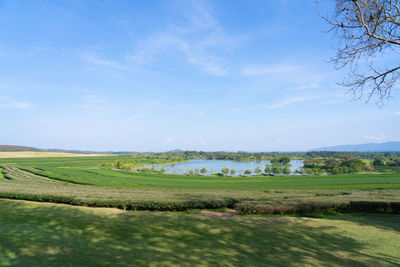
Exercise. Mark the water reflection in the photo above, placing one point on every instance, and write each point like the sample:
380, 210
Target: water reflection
215, 166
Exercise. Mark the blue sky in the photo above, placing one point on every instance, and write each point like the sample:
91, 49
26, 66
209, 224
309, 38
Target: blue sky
160, 75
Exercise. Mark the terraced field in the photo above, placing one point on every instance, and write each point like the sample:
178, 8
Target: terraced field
37, 234
81, 182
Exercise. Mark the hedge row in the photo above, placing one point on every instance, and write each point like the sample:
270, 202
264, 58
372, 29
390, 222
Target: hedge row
124, 204
310, 207
243, 208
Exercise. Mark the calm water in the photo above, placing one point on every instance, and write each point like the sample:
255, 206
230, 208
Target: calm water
214, 166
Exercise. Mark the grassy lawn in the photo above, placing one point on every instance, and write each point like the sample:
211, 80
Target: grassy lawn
33, 234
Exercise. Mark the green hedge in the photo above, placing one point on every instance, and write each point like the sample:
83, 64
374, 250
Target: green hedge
310, 207
243, 208
126, 205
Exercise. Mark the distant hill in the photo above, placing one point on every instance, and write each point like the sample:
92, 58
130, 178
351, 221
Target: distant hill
175, 150
370, 147
8, 148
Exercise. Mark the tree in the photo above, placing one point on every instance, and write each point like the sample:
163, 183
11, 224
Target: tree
276, 170
258, 170
284, 160
225, 171
267, 168
203, 170
247, 172
368, 28
232, 172
286, 171
191, 172
378, 162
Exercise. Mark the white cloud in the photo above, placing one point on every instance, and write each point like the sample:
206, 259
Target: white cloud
397, 113
138, 116
195, 41
292, 100
169, 140
375, 138
7, 102
253, 70
91, 101
16, 105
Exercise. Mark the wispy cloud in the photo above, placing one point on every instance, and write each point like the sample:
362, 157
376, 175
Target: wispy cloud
397, 113
91, 101
253, 70
292, 100
138, 116
375, 137
7, 102
196, 41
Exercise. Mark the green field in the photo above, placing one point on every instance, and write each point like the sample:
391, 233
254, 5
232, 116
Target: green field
87, 171
33, 234
127, 179
37, 234
80, 181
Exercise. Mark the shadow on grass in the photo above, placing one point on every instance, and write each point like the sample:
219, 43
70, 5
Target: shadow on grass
379, 220
47, 235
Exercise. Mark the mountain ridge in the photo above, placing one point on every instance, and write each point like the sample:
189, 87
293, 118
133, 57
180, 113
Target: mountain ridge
392, 146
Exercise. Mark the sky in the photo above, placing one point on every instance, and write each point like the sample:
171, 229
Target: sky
195, 75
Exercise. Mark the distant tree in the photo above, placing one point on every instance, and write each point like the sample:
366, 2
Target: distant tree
297, 171
258, 170
378, 162
267, 168
203, 170
367, 29
196, 171
276, 170
286, 171
232, 172
274, 160
117, 164
191, 172
247, 172
335, 170
225, 171
284, 160
162, 170
308, 171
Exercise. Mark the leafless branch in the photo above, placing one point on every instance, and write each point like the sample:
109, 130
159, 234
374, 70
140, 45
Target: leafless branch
367, 28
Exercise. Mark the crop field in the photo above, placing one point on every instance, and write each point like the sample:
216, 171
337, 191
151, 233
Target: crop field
34, 234
37, 154
80, 181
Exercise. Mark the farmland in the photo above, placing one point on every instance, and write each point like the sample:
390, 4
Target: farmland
82, 181
33, 233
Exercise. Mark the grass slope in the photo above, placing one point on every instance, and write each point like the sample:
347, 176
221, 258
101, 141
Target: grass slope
33, 234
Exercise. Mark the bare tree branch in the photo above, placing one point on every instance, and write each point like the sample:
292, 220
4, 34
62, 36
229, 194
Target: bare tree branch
367, 28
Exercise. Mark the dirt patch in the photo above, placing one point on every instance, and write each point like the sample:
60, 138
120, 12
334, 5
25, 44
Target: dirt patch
227, 213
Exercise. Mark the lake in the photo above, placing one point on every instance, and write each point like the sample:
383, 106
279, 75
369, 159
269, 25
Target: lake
214, 166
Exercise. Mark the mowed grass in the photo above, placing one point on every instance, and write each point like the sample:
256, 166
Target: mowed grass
128, 179
33, 234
